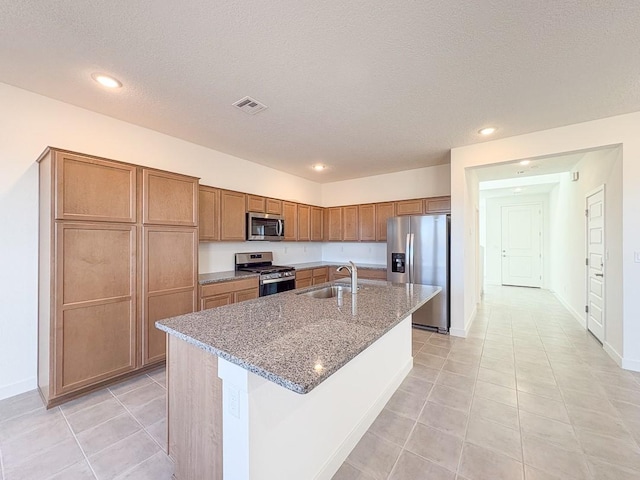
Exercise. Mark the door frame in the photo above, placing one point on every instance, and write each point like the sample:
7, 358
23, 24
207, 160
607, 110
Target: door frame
604, 253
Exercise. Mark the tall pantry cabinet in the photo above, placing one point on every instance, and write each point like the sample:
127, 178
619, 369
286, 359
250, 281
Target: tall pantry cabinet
117, 251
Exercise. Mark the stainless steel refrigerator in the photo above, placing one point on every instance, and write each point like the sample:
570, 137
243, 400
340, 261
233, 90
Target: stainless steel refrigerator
418, 252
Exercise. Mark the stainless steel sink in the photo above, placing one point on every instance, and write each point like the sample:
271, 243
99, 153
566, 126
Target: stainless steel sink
328, 292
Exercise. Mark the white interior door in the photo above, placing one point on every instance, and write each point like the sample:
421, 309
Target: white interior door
595, 263
522, 245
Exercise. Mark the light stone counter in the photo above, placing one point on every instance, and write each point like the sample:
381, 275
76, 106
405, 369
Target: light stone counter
297, 341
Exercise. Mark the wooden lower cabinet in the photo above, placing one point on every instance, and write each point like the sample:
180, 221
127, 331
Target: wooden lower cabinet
304, 278
170, 265
363, 274
225, 293
320, 275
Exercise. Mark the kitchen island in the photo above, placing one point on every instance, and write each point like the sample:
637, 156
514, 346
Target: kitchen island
293, 381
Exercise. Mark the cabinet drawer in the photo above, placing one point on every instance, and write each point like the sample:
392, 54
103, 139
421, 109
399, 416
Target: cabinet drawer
228, 287
248, 294
216, 301
304, 274
372, 274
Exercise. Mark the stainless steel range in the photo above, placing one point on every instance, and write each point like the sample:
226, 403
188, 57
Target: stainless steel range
273, 278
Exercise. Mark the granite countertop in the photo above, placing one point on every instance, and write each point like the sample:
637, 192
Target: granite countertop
297, 341
207, 278
364, 266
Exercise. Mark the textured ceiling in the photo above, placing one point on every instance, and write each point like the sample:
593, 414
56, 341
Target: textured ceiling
364, 86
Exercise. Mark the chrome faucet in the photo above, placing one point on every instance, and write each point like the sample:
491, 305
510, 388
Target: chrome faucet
353, 270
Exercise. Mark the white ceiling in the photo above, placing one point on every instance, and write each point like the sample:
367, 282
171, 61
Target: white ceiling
365, 86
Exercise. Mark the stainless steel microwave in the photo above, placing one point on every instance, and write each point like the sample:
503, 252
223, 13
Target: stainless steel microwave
264, 226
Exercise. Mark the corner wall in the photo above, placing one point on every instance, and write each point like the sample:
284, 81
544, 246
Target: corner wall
618, 130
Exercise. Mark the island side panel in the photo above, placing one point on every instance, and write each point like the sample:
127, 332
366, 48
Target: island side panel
194, 405
272, 432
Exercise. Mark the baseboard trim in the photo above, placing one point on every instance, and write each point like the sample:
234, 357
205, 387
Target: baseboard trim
633, 365
17, 388
613, 353
578, 317
463, 332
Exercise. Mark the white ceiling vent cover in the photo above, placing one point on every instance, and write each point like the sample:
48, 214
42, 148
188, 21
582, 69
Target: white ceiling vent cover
250, 106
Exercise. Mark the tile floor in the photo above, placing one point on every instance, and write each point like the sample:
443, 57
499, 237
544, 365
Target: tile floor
528, 395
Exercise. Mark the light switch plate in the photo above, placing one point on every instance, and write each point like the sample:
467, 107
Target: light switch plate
636, 257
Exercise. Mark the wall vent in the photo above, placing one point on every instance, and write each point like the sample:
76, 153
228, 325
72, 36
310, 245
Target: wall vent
249, 105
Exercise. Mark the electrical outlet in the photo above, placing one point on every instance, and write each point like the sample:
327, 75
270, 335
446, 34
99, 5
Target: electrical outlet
636, 257
233, 399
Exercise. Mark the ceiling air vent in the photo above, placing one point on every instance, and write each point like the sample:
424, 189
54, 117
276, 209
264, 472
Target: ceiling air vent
249, 105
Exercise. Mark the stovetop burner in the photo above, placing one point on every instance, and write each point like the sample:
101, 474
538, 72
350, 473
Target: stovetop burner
265, 269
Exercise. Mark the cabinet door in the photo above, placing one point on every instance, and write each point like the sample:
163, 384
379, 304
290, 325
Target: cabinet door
350, 223
274, 206
367, 223
290, 221
333, 223
384, 211
94, 327
255, 204
320, 275
169, 199
248, 294
209, 214
317, 220
410, 207
91, 189
334, 274
304, 223
304, 282
170, 271
216, 301
371, 274
233, 221
437, 205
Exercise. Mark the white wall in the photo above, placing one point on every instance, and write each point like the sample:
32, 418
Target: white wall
568, 240
28, 124
219, 256
493, 219
619, 130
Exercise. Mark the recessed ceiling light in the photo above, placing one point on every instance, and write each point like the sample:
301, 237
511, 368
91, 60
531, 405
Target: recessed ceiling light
106, 80
318, 167
487, 130
525, 162
517, 190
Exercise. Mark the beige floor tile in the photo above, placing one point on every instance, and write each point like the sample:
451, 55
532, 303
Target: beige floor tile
584, 400
86, 401
501, 394
131, 384
482, 464
495, 411
157, 467
634, 429
416, 385
535, 376
552, 431
626, 410
494, 436
158, 432
123, 455
497, 378
450, 397
435, 350
406, 404
413, 467
77, 471
605, 471
540, 389
622, 394
428, 360
374, 456
106, 434
597, 422
444, 418
26, 422
151, 412
159, 376
465, 357
34, 442
47, 463
347, 472
392, 427
624, 453
434, 445
543, 406
531, 473
552, 459
95, 415
453, 380
141, 396
499, 364
19, 405
464, 369
425, 373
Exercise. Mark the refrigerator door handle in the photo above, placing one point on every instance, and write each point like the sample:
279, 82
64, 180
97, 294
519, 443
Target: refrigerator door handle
408, 253
412, 274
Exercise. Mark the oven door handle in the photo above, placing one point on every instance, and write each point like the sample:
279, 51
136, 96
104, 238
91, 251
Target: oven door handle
277, 280
279, 228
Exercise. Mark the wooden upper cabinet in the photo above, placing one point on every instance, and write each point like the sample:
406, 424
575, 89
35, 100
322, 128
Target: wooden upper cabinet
169, 199
367, 223
290, 212
384, 211
233, 222
350, 223
256, 204
437, 205
317, 217
304, 223
274, 206
410, 207
333, 224
209, 214
87, 188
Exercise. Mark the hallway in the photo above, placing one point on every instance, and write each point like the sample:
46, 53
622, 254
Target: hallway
529, 394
